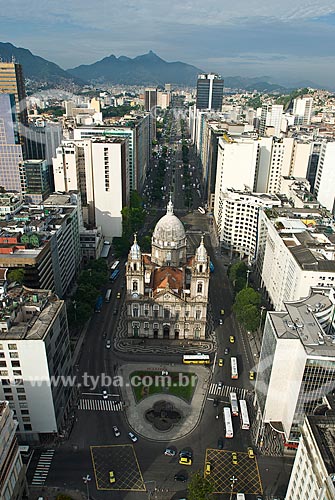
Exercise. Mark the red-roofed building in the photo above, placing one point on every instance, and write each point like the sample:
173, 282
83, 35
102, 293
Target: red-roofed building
167, 291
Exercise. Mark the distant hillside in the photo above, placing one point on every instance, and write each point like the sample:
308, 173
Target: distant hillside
260, 84
36, 68
148, 69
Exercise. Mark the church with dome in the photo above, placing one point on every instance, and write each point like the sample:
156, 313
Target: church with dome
167, 291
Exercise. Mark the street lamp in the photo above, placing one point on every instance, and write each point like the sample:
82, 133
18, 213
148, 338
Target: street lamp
233, 480
247, 282
86, 480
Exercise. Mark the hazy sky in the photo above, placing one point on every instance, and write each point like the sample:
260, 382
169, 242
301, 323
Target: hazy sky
288, 40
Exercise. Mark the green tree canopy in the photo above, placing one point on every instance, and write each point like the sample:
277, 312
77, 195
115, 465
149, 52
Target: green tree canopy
246, 308
249, 317
199, 487
16, 275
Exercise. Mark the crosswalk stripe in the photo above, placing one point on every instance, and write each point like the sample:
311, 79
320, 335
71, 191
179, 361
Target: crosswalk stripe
99, 405
226, 390
42, 468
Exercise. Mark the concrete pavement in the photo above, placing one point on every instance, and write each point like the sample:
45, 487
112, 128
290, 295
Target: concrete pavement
191, 412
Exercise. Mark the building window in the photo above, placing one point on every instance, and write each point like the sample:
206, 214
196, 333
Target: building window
14, 354
135, 286
135, 266
3, 373
146, 326
3, 364
197, 314
12, 347
20, 390
166, 313
27, 427
16, 364
135, 312
22, 397
26, 419
199, 288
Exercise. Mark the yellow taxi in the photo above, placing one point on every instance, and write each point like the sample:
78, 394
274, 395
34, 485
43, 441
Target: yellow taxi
111, 477
185, 461
220, 362
222, 312
207, 468
234, 458
231, 339
251, 453
251, 375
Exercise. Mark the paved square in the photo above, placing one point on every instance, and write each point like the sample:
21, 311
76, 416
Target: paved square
121, 459
244, 476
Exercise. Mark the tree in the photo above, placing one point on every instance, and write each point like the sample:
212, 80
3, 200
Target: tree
16, 275
237, 270
246, 308
199, 487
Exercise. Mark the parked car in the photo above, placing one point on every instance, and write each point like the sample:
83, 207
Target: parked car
234, 458
111, 477
185, 453
185, 460
226, 351
108, 344
220, 362
232, 339
251, 453
207, 468
169, 452
251, 375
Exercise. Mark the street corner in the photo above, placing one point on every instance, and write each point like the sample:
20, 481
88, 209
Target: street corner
116, 468
232, 472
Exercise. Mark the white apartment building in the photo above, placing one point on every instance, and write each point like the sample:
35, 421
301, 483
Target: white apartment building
237, 220
110, 167
99, 169
313, 473
34, 347
296, 365
324, 186
294, 253
13, 484
236, 165
302, 110
271, 116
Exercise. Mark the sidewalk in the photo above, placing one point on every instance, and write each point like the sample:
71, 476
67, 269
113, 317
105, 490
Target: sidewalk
191, 412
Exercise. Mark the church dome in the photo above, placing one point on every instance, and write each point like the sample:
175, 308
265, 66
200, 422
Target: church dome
169, 229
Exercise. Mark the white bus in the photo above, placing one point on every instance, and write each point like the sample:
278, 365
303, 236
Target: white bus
108, 295
196, 359
228, 422
115, 265
234, 404
245, 423
240, 496
234, 372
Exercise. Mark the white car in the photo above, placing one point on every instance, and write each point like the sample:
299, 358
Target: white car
201, 210
104, 394
132, 437
116, 431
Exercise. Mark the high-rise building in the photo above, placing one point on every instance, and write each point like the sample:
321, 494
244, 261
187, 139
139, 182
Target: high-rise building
209, 91
35, 352
13, 484
10, 147
302, 110
99, 169
150, 99
313, 472
271, 116
297, 365
325, 176
12, 82
35, 180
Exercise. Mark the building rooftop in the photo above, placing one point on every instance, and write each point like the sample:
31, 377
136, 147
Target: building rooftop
308, 320
26, 314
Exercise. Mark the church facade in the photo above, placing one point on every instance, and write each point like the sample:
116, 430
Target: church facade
167, 291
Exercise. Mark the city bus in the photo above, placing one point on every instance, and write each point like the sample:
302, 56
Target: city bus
108, 295
114, 275
228, 422
233, 363
115, 265
196, 359
240, 496
234, 404
245, 423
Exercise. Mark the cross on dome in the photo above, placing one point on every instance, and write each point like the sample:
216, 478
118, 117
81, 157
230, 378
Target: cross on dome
169, 208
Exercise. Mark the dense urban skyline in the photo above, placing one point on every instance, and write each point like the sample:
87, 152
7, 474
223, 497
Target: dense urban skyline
289, 42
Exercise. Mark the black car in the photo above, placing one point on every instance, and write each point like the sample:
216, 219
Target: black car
180, 477
185, 453
220, 444
215, 402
